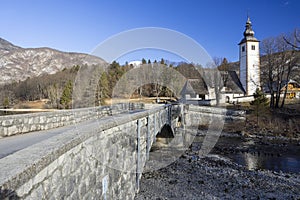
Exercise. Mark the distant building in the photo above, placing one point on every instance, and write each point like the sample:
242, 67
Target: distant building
135, 63
293, 88
236, 88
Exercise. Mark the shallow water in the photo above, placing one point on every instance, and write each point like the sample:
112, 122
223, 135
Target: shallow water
254, 154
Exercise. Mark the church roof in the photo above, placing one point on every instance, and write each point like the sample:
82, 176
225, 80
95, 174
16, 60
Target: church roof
232, 82
194, 86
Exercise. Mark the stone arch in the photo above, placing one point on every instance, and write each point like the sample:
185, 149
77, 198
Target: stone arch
165, 132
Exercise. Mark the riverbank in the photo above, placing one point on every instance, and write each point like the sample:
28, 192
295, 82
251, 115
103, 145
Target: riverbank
216, 177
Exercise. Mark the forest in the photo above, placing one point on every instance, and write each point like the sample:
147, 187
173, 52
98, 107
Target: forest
57, 88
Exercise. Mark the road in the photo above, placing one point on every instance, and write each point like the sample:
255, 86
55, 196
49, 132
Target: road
9, 145
12, 144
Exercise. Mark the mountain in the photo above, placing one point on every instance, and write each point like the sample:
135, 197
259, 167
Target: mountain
6, 46
17, 63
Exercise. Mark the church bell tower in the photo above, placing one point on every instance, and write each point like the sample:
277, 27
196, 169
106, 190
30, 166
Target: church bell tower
249, 60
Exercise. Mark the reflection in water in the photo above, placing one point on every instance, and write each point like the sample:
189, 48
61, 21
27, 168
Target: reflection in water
289, 161
250, 153
251, 162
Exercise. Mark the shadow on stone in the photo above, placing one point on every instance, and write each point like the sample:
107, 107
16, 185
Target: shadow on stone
8, 194
166, 132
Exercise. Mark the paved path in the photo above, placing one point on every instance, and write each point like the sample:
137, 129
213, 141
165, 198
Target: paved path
9, 145
12, 144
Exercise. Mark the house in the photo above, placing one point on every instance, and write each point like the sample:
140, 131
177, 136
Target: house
194, 89
203, 91
293, 88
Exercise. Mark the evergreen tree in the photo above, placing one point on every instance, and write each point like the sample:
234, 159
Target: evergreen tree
260, 103
224, 66
6, 102
66, 97
115, 72
102, 90
144, 61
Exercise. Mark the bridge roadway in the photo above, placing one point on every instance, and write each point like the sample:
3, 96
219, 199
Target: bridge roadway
12, 144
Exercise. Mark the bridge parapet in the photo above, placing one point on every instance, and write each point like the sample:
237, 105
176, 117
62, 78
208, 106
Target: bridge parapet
24, 123
202, 115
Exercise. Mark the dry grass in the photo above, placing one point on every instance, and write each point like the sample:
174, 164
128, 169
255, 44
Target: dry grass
39, 104
278, 122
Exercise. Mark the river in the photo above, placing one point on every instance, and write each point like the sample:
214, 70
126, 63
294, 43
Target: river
255, 153
236, 168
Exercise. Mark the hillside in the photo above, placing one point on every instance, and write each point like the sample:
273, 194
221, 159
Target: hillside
17, 63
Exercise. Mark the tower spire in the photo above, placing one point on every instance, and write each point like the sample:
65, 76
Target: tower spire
248, 31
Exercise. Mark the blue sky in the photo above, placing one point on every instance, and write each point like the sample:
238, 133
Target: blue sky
79, 26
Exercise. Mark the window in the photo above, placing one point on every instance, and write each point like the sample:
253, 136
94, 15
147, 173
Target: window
253, 47
243, 48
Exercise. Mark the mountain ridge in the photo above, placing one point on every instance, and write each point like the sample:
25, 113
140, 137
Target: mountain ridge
18, 64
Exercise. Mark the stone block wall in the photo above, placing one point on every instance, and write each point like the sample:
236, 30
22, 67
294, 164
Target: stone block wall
205, 115
104, 159
23, 123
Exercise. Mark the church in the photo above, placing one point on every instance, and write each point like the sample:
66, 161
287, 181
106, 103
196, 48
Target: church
249, 60
249, 69
238, 87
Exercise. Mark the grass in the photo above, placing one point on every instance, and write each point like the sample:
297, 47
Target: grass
271, 122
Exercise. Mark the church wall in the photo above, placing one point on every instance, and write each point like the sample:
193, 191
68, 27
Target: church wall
253, 75
243, 64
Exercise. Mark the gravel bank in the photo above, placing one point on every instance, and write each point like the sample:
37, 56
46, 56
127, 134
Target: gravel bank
214, 177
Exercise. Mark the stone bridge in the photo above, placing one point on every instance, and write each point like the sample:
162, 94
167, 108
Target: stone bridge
97, 153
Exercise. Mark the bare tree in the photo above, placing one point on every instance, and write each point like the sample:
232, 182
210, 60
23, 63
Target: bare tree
278, 64
214, 79
294, 41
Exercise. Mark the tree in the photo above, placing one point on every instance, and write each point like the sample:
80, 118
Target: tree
278, 67
53, 95
5, 103
222, 64
214, 78
294, 41
144, 61
66, 97
259, 103
102, 91
115, 72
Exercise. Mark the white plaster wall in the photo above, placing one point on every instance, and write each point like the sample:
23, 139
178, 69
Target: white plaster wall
243, 67
253, 78
250, 75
